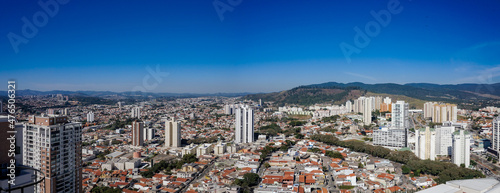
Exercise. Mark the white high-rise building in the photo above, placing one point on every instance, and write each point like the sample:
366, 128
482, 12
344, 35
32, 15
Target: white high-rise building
444, 140
348, 106
204, 149
425, 143
390, 137
149, 134
244, 125
90, 117
359, 105
461, 148
53, 145
387, 100
367, 110
495, 142
172, 133
230, 109
378, 102
220, 148
400, 119
136, 112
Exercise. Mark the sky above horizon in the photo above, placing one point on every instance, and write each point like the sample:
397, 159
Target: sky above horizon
245, 46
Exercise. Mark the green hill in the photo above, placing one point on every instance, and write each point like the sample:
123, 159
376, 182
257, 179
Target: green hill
416, 93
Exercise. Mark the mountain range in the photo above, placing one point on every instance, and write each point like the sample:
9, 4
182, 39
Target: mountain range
329, 92
28, 92
341, 92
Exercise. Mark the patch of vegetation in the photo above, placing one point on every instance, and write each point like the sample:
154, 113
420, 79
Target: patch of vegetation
332, 119
272, 129
334, 154
297, 123
168, 166
249, 179
445, 171
201, 140
345, 187
105, 189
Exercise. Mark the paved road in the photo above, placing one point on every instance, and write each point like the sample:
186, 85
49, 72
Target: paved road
199, 175
486, 167
414, 120
330, 182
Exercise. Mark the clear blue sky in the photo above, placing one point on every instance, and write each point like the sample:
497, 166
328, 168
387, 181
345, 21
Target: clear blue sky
259, 46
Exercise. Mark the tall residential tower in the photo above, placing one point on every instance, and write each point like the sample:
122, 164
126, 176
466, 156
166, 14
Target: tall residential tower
172, 133
244, 125
400, 119
137, 133
53, 145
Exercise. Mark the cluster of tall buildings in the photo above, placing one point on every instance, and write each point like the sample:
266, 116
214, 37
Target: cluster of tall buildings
230, 109
366, 105
397, 134
440, 112
444, 140
52, 144
172, 133
135, 112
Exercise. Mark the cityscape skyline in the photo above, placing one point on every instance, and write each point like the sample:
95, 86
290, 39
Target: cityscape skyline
245, 51
242, 96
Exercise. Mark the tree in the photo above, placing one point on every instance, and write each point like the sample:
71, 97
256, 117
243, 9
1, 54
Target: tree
296, 123
360, 165
314, 150
299, 136
189, 158
267, 165
406, 169
251, 178
238, 182
334, 154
